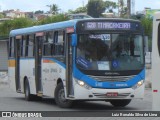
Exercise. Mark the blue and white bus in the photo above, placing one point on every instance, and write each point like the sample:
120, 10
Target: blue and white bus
89, 59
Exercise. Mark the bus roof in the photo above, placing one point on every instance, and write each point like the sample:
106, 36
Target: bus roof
59, 25
45, 27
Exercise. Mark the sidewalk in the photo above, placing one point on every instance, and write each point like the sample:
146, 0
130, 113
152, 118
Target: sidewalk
3, 78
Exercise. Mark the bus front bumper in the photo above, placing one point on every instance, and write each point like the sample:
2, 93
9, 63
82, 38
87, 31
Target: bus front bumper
81, 93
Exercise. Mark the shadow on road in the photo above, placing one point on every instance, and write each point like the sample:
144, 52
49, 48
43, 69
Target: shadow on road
82, 105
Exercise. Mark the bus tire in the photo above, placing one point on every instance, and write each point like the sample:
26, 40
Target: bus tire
60, 97
28, 96
120, 103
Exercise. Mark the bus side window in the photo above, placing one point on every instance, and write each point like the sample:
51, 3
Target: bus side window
50, 40
24, 54
45, 45
22, 46
30, 46
11, 47
48, 44
59, 42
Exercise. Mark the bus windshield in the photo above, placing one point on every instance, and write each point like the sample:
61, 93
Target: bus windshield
115, 52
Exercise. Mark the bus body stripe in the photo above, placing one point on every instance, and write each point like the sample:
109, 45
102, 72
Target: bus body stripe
11, 63
48, 61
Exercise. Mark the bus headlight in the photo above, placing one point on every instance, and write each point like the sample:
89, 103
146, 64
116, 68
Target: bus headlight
140, 83
83, 84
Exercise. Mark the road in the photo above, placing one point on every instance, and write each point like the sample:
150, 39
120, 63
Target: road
12, 101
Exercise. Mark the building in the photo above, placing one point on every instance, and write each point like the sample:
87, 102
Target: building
4, 19
40, 16
29, 15
14, 13
150, 12
3, 53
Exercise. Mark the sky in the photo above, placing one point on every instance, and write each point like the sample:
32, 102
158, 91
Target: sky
64, 5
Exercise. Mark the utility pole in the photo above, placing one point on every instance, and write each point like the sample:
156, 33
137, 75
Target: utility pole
128, 8
133, 7
118, 8
83, 3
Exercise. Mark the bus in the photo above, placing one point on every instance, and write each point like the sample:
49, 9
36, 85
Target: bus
156, 62
79, 60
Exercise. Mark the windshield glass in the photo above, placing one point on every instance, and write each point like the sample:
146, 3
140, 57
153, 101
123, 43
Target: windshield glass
114, 52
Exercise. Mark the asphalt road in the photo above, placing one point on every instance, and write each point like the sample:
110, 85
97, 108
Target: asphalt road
12, 101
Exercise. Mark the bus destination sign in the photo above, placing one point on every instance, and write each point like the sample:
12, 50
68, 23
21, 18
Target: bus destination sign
107, 25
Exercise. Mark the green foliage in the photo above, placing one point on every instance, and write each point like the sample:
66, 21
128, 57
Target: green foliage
53, 19
21, 23
39, 12
123, 9
9, 25
54, 9
5, 27
78, 10
138, 16
95, 8
110, 6
70, 11
147, 25
1, 15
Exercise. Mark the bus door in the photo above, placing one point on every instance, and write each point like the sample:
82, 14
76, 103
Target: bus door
69, 67
38, 57
17, 62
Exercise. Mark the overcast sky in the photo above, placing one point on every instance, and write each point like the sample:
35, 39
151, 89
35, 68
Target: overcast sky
64, 5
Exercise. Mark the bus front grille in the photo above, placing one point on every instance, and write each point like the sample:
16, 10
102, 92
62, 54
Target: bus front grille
111, 78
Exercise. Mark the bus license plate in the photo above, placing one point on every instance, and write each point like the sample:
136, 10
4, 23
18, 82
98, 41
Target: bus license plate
112, 94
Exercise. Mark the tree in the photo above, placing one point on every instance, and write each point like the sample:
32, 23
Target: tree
70, 11
39, 12
81, 10
5, 27
54, 9
53, 19
147, 26
138, 16
1, 15
95, 8
78, 10
9, 25
110, 6
122, 8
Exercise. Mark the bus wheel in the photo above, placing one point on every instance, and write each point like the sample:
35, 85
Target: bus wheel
60, 97
28, 96
120, 103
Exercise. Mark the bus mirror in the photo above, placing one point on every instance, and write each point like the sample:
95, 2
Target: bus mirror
74, 40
